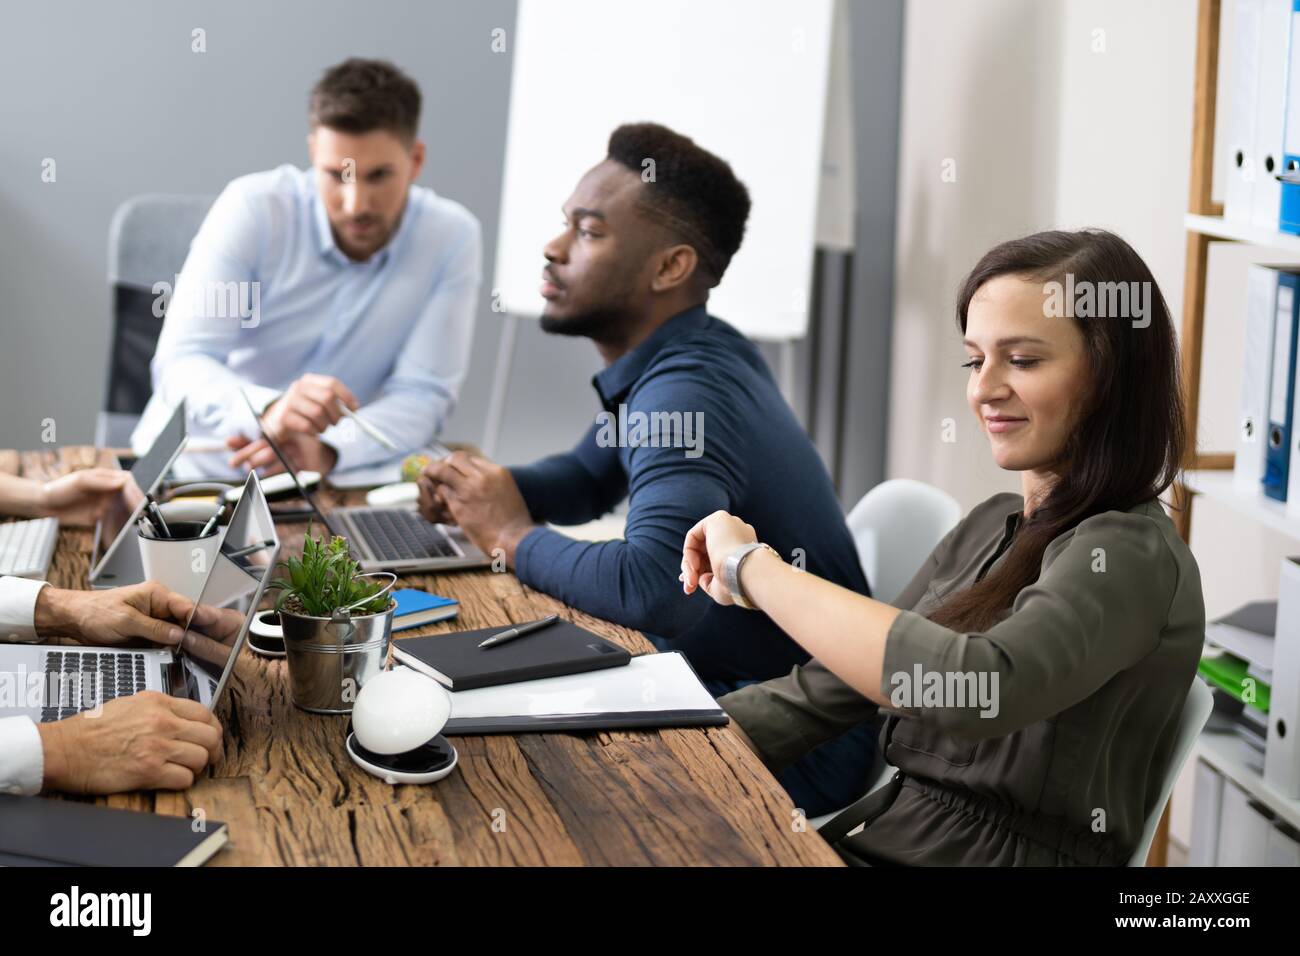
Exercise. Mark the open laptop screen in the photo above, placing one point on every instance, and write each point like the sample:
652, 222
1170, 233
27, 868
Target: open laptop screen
219, 623
148, 472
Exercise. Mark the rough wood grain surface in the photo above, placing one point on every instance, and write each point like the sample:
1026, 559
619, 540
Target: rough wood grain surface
290, 795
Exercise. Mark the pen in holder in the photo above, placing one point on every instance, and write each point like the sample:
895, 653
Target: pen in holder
180, 561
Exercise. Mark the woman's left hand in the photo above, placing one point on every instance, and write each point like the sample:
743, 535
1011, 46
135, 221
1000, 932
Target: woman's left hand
707, 547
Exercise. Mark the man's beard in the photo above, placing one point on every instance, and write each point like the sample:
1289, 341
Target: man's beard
588, 324
594, 323
383, 234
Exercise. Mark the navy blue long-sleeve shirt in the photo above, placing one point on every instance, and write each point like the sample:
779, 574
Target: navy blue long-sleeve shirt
751, 458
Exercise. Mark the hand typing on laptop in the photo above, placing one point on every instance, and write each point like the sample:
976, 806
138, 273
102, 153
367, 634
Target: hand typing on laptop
144, 742
296, 419
113, 617
134, 740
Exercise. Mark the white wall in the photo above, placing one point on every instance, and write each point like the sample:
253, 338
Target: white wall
980, 98
1053, 124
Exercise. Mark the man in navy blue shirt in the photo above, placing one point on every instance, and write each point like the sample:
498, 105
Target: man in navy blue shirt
692, 422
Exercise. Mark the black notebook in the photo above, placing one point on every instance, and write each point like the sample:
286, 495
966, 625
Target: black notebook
458, 663
43, 831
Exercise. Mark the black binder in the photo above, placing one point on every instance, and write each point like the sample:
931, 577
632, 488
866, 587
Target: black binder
458, 663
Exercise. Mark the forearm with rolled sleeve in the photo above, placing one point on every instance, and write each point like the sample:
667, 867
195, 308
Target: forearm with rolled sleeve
788, 716
1067, 634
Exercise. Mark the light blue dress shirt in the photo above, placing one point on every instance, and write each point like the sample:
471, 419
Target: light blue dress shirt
266, 296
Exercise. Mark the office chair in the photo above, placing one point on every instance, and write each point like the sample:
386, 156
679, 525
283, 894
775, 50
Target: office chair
1196, 712
148, 240
895, 527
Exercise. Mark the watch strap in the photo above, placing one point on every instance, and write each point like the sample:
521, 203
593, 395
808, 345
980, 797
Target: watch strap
731, 571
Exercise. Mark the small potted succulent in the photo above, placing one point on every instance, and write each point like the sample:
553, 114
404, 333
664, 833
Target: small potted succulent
337, 624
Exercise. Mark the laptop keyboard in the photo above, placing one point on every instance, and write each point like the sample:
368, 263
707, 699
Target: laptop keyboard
27, 546
398, 534
69, 673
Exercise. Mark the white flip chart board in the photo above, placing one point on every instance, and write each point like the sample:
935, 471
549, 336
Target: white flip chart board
746, 79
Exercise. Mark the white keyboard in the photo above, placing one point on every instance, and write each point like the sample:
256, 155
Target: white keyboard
26, 547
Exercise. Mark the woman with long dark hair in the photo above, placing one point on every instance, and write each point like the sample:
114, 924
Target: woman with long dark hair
1034, 671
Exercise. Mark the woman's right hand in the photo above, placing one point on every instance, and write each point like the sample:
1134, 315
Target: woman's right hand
80, 497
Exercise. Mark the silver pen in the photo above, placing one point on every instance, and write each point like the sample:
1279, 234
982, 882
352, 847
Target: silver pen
368, 428
211, 523
519, 631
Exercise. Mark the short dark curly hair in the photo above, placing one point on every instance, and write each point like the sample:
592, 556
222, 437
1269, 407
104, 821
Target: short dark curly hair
359, 96
692, 192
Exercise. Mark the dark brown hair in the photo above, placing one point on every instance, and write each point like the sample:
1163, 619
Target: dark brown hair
358, 96
1128, 444
693, 193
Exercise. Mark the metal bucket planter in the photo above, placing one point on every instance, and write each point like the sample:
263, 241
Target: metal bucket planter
330, 658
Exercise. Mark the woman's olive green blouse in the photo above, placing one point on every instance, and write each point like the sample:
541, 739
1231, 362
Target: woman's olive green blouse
1091, 667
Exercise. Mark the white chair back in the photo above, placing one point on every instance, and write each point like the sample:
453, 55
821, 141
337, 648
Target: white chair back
895, 527
1196, 712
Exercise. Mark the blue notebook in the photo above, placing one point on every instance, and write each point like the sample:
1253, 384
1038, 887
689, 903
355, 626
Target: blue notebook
416, 608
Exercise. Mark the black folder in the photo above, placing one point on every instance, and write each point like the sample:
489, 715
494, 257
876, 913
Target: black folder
458, 663
45, 831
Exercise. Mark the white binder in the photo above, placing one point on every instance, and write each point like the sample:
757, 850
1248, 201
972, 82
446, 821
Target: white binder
1282, 748
1243, 98
1270, 112
652, 690
1252, 423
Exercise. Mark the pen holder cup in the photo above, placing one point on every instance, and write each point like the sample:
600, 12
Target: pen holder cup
181, 562
330, 659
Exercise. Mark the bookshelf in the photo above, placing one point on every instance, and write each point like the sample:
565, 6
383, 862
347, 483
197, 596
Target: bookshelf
1218, 487
1236, 760
1209, 474
1216, 227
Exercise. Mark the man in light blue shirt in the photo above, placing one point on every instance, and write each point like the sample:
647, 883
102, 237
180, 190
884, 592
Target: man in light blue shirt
341, 283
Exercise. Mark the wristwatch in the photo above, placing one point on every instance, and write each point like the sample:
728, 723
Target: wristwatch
731, 571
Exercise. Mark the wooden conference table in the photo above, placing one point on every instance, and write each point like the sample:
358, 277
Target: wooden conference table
291, 796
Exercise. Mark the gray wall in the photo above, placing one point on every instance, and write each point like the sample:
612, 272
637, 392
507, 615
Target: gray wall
113, 93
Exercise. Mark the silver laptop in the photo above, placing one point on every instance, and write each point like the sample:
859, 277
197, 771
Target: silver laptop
51, 682
115, 557
389, 539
